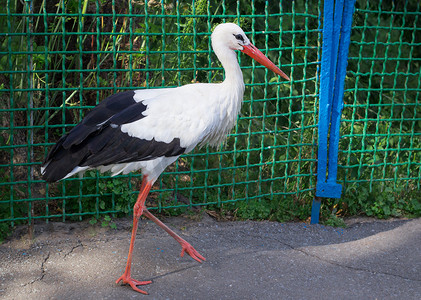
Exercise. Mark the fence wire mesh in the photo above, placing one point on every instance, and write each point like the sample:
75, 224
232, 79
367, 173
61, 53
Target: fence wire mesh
60, 58
381, 128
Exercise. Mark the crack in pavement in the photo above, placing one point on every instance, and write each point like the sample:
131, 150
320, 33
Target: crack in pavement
337, 264
42, 267
80, 244
43, 272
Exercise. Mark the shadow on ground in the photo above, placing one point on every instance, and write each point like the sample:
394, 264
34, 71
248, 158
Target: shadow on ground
369, 259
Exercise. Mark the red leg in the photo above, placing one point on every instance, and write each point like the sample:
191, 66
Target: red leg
137, 212
186, 247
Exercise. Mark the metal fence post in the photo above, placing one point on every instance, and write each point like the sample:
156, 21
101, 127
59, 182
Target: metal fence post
337, 21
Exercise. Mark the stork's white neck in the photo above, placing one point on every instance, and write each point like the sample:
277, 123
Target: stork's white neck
231, 92
229, 61
233, 82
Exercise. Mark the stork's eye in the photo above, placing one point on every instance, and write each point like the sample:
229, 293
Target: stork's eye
239, 37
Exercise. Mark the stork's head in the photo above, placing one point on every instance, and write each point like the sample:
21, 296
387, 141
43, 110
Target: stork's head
230, 35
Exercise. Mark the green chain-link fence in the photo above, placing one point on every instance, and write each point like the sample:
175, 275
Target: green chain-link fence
380, 149
60, 58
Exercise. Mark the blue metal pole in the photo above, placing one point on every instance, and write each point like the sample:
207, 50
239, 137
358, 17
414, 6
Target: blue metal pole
337, 21
338, 104
315, 210
325, 90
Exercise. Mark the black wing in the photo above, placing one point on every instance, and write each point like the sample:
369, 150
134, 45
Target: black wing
99, 141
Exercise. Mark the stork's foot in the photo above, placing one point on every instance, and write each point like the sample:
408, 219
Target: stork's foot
187, 248
133, 283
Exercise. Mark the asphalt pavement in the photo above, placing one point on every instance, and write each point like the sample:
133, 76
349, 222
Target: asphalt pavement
370, 259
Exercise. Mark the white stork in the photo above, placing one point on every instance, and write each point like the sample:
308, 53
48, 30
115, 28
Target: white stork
149, 129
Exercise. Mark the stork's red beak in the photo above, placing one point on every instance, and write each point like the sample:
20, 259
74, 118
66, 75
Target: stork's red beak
257, 55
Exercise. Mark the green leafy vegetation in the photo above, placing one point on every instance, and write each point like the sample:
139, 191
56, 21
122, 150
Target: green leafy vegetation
9, 208
79, 52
